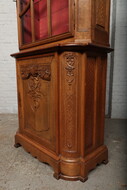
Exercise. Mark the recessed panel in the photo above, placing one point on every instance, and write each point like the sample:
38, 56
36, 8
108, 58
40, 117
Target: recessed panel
39, 103
90, 102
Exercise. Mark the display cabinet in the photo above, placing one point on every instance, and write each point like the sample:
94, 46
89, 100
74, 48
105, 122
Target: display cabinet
61, 82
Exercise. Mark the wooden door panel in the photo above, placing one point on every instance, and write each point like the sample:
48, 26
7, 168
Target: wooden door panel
37, 77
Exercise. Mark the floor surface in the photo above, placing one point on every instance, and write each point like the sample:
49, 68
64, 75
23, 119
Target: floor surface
20, 171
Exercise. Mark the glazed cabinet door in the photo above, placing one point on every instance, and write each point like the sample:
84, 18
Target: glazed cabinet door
44, 21
37, 97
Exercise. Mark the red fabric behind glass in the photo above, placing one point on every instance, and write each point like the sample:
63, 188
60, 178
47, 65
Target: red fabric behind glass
26, 24
41, 22
59, 19
60, 16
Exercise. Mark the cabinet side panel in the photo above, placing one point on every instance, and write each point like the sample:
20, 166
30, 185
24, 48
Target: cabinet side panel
100, 21
90, 102
20, 98
101, 86
95, 101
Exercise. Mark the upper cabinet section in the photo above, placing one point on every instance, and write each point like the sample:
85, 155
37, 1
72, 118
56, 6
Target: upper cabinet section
74, 21
43, 21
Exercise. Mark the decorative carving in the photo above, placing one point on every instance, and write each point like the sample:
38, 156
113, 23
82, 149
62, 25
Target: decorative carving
100, 12
34, 73
69, 120
70, 106
35, 91
70, 61
43, 71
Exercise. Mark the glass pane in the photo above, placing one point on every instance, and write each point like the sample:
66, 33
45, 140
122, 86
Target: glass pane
40, 19
26, 23
60, 16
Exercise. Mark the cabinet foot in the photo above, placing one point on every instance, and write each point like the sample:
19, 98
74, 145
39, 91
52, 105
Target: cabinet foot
82, 179
57, 176
71, 178
17, 145
105, 162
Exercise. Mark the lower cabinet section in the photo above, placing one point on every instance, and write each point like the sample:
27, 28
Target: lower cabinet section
61, 99
38, 107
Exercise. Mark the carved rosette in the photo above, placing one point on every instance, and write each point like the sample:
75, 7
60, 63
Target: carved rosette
71, 68
34, 74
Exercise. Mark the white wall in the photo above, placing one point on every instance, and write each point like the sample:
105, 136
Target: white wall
109, 65
119, 95
8, 45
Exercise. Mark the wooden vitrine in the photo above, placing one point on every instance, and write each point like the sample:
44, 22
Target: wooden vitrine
61, 79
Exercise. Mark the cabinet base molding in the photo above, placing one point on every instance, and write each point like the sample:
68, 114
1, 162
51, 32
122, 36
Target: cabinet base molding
71, 170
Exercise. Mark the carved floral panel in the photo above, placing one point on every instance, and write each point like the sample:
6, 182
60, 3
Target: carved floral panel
34, 74
36, 87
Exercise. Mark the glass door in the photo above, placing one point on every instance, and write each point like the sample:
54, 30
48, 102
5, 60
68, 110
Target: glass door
40, 19
43, 19
25, 15
59, 16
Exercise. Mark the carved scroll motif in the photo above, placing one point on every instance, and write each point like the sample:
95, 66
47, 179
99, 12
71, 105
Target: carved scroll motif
70, 103
35, 74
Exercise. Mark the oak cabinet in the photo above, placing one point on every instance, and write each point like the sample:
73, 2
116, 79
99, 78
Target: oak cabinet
61, 79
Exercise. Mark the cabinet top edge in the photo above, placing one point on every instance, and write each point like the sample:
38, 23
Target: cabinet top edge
63, 47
